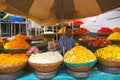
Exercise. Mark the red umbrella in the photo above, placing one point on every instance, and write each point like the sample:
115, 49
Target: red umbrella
78, 22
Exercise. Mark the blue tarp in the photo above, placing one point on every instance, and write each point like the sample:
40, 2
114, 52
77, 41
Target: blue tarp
95, 75
16, 19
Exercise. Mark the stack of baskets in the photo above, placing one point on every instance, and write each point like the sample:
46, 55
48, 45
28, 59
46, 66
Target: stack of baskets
109, 59
45, 64
12, 72
12, 68
11, 65
109, 65
80, 70
79, 60
45, 71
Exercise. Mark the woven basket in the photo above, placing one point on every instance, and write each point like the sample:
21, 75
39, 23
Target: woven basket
94, 47
28, 40
77, 36
109, 62
80, 68
49, 35
12, 68
115, 41
15, 50
45, 67
84, 42
103, 34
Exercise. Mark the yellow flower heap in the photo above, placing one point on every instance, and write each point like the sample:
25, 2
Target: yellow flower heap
114, 36
17, 44
109, 52
60, 31
79, 54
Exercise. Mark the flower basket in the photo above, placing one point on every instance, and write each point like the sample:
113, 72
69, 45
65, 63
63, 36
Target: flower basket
49, 35
112, 70
80, 67
94, 47
12, 68
20, 50
28, 40
83, 42
77, 36
115, 41
109, 62
104, 34
45, 67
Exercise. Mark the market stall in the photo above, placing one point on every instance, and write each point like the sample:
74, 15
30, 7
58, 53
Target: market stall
98, 58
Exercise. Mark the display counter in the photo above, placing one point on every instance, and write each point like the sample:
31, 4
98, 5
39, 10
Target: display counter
63, 75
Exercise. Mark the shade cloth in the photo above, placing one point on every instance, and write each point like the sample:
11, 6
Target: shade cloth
50, 12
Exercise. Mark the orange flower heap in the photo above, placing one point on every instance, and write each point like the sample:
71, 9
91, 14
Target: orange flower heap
17, 44
116, 29
1, 40
11, 59
20, 36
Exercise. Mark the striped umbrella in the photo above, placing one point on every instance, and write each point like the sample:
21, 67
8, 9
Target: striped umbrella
12, 18
50, 12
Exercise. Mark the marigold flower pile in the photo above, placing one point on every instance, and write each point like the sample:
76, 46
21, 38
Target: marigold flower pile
11, 59
17, 44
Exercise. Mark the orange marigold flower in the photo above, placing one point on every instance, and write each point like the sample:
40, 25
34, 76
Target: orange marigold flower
10, 59
17, 44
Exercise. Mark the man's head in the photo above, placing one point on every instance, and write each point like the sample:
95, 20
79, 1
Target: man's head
69, 31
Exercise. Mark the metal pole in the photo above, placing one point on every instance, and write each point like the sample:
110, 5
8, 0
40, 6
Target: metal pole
19, 28
72, 28
11, 29
14, 29
0, 27
56, 34
27, 30
62, 24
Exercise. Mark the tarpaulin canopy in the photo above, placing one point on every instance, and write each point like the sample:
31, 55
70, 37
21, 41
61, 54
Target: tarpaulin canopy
50, 12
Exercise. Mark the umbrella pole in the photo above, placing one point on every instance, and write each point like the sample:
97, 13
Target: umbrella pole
62, 24
0, 28
56, 34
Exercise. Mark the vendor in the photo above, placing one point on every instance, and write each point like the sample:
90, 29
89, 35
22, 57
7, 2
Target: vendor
66, 41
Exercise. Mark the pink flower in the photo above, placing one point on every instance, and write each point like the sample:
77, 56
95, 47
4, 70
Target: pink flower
33, 50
